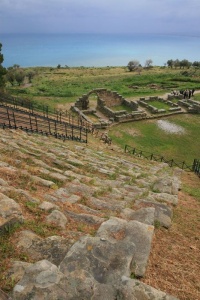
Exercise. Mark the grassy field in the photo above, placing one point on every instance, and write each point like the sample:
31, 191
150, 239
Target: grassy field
60, 88
54, 87
147, 136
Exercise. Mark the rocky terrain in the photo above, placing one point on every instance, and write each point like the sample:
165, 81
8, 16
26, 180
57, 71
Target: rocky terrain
80, 218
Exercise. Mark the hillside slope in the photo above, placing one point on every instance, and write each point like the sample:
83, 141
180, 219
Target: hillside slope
77, 221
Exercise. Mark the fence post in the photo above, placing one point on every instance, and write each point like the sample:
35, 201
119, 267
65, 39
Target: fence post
194, 165
56, 113
72, 132
198, 171
183, 165
55, 129
66, 129
8, 117
86, 136
172, 163
49, 127
36, 123
14, 120
30, 122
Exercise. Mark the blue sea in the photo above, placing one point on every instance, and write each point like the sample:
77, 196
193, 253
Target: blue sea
95, 50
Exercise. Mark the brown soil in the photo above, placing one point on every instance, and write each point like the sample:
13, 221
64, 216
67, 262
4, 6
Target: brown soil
174, 263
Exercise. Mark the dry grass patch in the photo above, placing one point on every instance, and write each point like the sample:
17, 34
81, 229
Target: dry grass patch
175, 256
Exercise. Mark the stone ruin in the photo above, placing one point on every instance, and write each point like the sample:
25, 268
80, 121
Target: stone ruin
108, 100
174, 107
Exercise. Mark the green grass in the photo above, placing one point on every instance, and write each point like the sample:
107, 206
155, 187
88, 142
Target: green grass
147, 136
194, 192
159, 105
121, 107
52, 86
196, 97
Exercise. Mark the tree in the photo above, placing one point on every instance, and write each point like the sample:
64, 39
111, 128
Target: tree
176, 63
19, 76
133, 65
10, 76
185, 64
30, 75
15, 66
2, 71
196, 64
170, 63
148, 63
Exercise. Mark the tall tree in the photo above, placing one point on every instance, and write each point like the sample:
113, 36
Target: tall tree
148, 63
170, 63
185, 64
10, 76
19, 76
2, 70
30, 75
133, 65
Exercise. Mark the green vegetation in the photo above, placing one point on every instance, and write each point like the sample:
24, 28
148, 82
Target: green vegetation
192, 191
121, 107
159, 105
54, 87
2, 70
8, 251
61, 87
197, 97
182, 63
147, 136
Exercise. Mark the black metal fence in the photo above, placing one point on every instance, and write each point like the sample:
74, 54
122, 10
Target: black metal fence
31, 122
44, 110
195, 167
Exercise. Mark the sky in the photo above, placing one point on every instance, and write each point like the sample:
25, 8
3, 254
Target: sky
100, 16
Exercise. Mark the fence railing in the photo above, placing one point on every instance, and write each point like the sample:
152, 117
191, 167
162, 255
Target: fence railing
195, 167
57, 114
16, 118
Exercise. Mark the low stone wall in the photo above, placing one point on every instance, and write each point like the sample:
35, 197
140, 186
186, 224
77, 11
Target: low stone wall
170, 97
138, 115
195, 106
191, 105
82, 103
146, 103
106, 100
104, 109
131, 104
122, 115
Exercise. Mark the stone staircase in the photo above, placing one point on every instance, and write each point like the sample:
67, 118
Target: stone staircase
82, 215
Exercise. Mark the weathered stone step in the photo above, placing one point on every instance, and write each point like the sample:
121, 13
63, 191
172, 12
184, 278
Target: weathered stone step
93, 188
